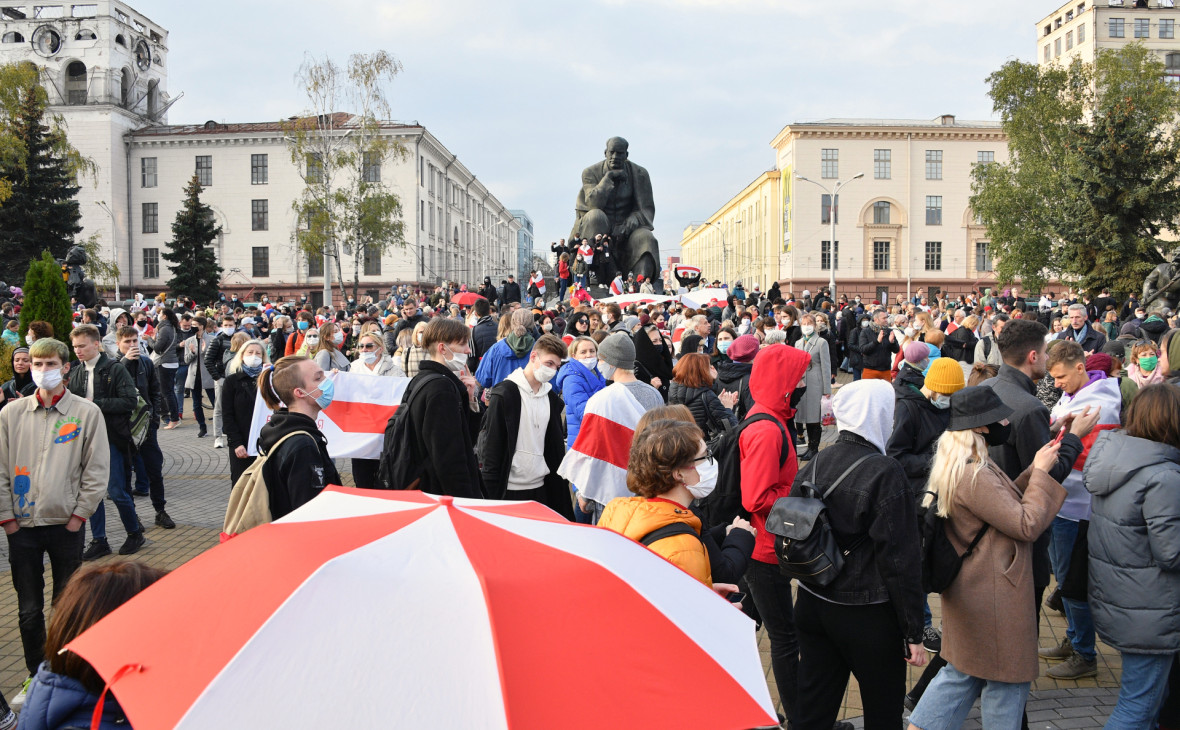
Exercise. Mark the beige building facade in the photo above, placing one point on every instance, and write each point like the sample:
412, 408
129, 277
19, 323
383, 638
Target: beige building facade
1082, 28
740, 242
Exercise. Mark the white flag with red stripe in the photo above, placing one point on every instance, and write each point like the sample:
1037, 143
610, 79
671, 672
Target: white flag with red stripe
354, 423
597, 461
539, 280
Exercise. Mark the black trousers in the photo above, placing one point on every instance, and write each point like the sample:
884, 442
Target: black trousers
27, 548
364, 472
835, 640
771, 592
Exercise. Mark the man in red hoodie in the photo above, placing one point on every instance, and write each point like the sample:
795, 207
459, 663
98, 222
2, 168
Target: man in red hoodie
777, 370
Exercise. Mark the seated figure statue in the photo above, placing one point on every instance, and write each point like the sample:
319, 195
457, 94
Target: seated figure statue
1162, 286
616, 200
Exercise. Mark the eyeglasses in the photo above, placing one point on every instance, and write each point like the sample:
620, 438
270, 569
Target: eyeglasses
707, 459
369, 346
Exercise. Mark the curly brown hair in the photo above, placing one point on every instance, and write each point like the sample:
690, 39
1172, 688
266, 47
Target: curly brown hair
657, 451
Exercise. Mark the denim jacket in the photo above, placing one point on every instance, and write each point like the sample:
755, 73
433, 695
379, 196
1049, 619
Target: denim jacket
874, 510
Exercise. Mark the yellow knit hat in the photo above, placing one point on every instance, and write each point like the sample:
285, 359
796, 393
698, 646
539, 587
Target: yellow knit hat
945, 376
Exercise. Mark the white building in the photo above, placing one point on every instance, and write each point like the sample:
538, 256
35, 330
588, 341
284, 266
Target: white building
105, 69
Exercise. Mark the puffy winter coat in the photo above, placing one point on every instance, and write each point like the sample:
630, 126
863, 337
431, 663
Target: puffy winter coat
56, 701
917, 424
637, 517
960, 345
575, 383
1134, 542
711, 416
501, 360
735, 377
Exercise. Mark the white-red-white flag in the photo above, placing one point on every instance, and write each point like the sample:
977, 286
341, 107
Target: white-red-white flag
539, 280
597, 461
354, 423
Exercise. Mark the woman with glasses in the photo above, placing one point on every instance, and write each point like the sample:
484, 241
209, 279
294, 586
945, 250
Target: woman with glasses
371, 360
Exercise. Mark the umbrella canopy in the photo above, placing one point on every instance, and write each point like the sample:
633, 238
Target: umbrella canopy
467, 298
400, 609
624, 299
698, 299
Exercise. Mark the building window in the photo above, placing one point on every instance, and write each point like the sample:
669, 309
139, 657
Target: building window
261, 262
422, 216
825, 255
431, 209
315, 265
983, 258
1172, 67
259, 170
1069, 40
825, 214
1048, 53
1115, 28
205, 170
1057, 47
259, 215
985, 156
829, 163
315, 167
372, 260
934, 255
1167, 28
1081, 34
880, 255
151, 217
371, 167
76, 83
934, 210
151, 263
882, 163
1142, 28
431, 180
933, 164
881, 212
147, 172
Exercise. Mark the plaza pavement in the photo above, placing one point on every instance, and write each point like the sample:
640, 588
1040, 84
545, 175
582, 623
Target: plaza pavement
197, 489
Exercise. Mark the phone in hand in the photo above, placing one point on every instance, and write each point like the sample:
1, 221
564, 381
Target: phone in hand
736, 597
1061, 433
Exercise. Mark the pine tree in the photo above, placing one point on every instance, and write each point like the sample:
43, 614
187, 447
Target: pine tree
46, 298
195, 272
43, 212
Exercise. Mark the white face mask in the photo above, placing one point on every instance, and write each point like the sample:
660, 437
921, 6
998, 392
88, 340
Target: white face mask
708, 473
864, 323
455, 363
252, 361
909, 331
590, 362
338, 337
30, 338
547, 327
369, 357
224, 330
606, 369
312, 340
47, 379
544, 373
807, 330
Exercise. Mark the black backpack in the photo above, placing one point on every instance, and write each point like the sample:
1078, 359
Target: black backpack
675, 528
940, 560
401, 466
725, 502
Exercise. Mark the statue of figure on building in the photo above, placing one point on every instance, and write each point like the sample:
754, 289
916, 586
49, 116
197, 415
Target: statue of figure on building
1162, 285
81, 289
616, 200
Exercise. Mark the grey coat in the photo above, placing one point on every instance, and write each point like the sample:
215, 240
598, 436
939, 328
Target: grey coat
818, 378
194, 352
164, 345
1134, 543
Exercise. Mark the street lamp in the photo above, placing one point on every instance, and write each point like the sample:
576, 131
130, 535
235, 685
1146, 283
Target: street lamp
724, 251
835, 191
114, 242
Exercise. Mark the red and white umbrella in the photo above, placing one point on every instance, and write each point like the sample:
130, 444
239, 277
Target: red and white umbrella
625, 299
367, 609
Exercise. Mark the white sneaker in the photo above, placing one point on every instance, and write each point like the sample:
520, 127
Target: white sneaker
20, 697
220, 442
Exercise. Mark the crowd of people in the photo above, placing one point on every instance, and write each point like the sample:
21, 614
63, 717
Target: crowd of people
1044, 436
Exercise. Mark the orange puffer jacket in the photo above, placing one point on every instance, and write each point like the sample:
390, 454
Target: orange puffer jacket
637, 517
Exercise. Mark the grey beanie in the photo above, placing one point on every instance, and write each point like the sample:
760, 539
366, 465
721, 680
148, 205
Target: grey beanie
630, 322
618, 350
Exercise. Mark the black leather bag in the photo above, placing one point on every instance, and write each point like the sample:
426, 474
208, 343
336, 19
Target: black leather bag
804, 542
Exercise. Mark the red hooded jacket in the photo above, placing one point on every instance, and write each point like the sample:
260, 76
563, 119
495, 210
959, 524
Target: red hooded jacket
777, 370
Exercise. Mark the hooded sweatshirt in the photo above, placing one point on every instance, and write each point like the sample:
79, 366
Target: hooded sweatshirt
777, 370
1099, 391
529, 469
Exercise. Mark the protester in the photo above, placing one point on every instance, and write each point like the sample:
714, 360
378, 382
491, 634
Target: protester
239, 394
577, 381
653, 358
410, 350
921, 415
692, 386
877, 343
508, 354
163, 356
148, 460
217, 356
734, 374
329, 354
371, 361
21, 384
199, 379
817, 381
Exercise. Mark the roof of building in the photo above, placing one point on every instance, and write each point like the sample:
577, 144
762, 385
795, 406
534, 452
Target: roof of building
338, 119
936, 122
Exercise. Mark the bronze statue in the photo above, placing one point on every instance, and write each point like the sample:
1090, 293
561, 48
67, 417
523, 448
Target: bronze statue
81, 289
616, 200
1162, 285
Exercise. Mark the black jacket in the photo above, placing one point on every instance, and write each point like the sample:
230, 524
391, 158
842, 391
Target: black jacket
917, 424
501, 427
238, 393
511, 292
711, 416
873, 504
735, 376
483, 336
1093, 341
300, 468
147, 382
215, 355
278, 344
960, 345
729, 554
114, 394
876, 355
489, 292
404, 323
446, 429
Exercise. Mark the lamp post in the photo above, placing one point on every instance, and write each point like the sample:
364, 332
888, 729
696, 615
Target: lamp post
724, 252
114, 241
832, 194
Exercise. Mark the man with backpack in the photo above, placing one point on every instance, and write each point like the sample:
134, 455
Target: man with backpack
149, 460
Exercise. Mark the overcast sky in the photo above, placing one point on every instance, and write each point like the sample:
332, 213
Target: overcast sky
526, 92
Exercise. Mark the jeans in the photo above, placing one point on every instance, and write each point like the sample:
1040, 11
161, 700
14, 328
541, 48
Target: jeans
168, 385
1077, 613
949, 699
771, 592
1145, 682
149, 468
217, 432
27, 548
117, 490
178, 390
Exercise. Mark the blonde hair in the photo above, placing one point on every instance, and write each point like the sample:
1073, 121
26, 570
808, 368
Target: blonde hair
235, 363
956, 449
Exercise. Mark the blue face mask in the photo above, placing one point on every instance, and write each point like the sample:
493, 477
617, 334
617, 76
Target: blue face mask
327, 389
302, 325
723, 345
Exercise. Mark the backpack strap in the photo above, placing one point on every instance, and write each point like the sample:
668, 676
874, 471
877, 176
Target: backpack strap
843, 476
978, 536
279, 443
786, 445
675, 528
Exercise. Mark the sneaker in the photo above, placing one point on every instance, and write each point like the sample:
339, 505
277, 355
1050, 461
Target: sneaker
932, 640
219, 442
1075, 667
163, 520
807, 455
134, 542
9, 721
20, 697
1053, 602
842, 725
138, 493
98, 549
1064, 650
202, 433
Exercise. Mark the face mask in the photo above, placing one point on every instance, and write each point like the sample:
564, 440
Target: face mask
864, 324
547, 327
455, 363
590, 362
47, 379
369, 357
723, 345
544, 374
787, 322
227, 331
29, 338
1147, 364
921, 365
302, 325
252, 361
338, 337
909, 331
941, 401
606, 369
708, 473
744, 327
327, 390
808, 330
997, 435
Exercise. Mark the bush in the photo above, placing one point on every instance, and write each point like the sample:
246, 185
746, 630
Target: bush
6, 349
46, 299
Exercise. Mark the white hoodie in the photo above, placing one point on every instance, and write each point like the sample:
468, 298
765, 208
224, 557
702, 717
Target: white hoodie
529, 469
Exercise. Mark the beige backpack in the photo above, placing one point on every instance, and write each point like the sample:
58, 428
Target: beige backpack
249, 502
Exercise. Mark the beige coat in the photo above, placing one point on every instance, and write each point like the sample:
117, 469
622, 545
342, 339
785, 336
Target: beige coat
989, 615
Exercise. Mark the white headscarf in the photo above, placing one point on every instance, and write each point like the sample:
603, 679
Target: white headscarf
865, 407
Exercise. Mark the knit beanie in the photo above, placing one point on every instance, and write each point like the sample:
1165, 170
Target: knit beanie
618, 350
945, 376
915, 352
1099, 361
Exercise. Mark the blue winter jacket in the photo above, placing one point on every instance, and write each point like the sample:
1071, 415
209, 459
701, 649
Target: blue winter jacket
499, 362
57, 702
576, 383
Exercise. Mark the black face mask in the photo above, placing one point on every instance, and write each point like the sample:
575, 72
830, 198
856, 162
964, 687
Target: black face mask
997, 435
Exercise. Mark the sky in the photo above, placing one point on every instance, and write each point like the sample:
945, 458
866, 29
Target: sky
526, 92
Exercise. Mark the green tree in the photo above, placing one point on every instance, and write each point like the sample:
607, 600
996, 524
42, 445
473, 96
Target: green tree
46, 298
195, 272
41, 213
1092, 178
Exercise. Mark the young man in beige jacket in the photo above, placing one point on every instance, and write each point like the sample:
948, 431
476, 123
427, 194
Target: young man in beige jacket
54, 466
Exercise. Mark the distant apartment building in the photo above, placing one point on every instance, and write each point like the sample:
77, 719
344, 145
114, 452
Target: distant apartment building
1080, 29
